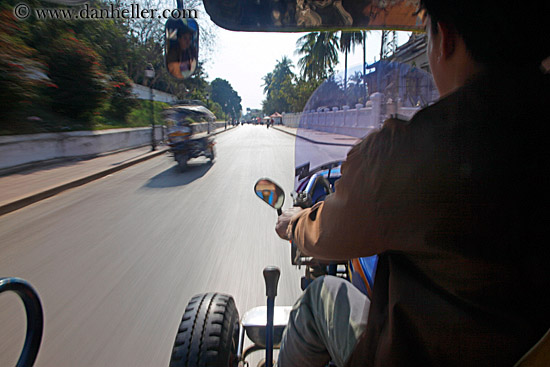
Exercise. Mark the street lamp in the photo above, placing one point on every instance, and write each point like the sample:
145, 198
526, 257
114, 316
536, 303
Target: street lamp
150, 74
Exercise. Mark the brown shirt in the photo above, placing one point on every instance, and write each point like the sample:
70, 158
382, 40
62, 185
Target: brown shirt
455, 201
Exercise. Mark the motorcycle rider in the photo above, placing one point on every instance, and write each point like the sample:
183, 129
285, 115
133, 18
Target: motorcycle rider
449, 202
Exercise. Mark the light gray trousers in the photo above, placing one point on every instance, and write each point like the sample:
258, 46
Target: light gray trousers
325, 324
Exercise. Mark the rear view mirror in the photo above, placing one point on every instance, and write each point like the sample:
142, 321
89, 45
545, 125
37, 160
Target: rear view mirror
270, 192
314, 15
181, 47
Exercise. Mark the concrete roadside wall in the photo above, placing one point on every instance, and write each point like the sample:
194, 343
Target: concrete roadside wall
143, 92
357, 122
19, 150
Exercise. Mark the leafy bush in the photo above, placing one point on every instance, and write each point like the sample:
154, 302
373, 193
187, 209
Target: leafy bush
80, 85
122, 99
140, 115
21, 74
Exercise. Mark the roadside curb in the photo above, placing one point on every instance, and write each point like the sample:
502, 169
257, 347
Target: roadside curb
284, 131
33, 198
31, 165
311, 140
38, 196
219, 132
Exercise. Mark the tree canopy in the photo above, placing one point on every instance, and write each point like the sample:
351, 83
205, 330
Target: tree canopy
320, 54
224, 94
74, 74
279, 88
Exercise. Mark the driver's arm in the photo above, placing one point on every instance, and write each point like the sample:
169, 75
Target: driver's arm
174, 69
360, 218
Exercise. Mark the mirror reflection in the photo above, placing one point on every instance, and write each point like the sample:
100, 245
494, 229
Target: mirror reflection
270, 192
314, 15
182, 47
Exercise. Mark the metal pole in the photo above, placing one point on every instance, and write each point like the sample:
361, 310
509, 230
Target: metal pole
153, 144
271, 277
269, 332
364, 67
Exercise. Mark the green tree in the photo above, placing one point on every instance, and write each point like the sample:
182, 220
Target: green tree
303, 89
80, 83
328, 94
224, 94
279, 88
268, 79
320, 54
355, 90
116, 46
348, 41
21, 74
122, 100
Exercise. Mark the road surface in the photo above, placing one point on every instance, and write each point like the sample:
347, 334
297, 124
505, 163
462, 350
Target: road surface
116, 261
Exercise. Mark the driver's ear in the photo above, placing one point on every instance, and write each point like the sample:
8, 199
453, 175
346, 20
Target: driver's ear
448, 39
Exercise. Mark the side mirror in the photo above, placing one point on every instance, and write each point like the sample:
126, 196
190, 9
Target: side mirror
270, 192
181, 38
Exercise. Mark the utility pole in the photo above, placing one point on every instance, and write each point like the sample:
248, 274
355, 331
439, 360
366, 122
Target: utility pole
364, 67
150, 74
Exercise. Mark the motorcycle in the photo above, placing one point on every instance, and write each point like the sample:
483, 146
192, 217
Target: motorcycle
184, 142
212, 319
219, 326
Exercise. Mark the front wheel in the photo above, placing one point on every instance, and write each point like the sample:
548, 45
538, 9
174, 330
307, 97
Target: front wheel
208, 333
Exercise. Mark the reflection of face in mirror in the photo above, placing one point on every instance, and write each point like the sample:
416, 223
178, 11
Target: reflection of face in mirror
270, 193
181, 53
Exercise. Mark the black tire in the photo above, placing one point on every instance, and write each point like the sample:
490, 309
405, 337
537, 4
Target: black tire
208, 333
182, 161
212, 154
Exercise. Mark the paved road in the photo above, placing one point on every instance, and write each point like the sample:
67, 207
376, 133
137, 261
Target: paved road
117, 260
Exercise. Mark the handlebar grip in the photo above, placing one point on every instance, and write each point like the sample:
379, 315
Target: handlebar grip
271, 277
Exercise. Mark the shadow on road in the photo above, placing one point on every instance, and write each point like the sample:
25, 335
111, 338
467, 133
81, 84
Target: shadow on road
173, 177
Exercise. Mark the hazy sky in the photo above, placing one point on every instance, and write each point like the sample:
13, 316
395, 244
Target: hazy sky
243, 58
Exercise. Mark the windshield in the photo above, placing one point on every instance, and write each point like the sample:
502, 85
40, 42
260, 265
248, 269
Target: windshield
342, 112
126, 191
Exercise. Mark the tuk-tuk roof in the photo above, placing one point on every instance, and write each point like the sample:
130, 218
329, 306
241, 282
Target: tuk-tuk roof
189, 111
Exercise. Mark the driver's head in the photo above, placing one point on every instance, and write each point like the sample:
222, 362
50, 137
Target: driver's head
467, 36
184, 39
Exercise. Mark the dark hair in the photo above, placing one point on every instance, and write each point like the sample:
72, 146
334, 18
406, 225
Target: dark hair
496, 33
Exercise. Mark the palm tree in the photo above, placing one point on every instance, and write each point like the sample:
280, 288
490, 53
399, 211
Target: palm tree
365, 65
348, 40
274, 79
284, 66
268, 79
320, 54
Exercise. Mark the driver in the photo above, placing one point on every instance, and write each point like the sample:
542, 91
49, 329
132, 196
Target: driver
454, 203
181, 58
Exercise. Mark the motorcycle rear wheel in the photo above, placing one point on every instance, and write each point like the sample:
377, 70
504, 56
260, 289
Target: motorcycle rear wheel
208, 333
212, 154
182, 161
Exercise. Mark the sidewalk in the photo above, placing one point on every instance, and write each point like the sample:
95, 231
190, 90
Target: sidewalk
26, 187
319, 137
